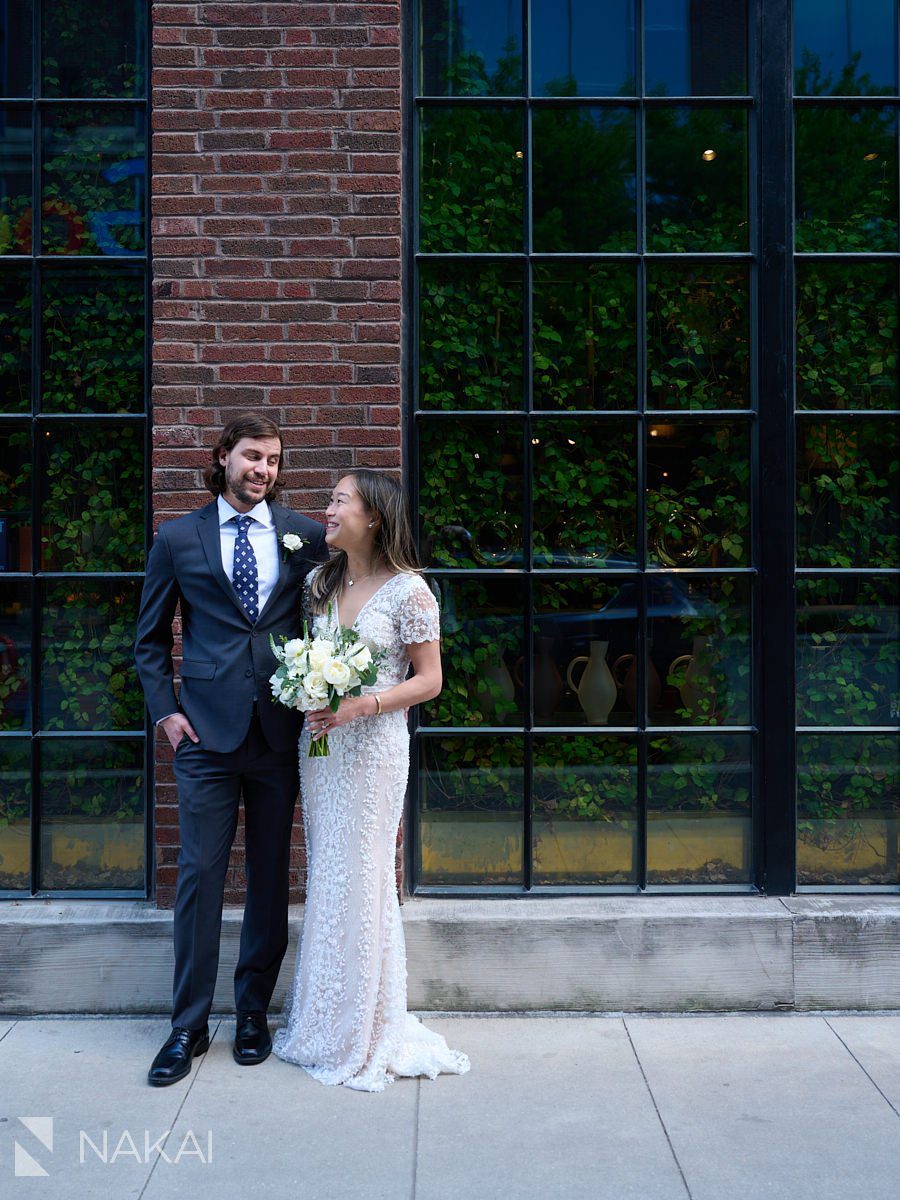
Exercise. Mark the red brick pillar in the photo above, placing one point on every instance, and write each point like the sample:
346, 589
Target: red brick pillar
276, 262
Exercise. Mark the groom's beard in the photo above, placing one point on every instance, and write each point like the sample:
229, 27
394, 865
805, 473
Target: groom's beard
239, 486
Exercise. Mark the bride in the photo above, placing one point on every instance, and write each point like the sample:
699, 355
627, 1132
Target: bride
345, 1018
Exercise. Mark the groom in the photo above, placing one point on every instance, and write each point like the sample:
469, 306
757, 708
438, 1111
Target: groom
236, 566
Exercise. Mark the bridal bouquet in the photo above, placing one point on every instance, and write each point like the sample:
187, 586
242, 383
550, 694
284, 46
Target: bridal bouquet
316, 673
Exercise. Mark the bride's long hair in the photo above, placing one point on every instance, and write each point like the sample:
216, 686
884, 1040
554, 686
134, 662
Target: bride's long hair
382, 496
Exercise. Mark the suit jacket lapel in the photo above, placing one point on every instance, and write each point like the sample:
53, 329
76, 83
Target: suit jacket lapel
279, 518
212, 547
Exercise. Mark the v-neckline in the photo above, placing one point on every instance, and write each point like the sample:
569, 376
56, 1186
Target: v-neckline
337, 607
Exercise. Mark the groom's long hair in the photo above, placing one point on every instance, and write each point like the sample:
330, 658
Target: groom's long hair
247, 425
382, 495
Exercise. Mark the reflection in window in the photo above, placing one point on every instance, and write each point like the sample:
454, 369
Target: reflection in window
583, 493
470, 493
93, 180
115, 32
698, 336
848, 809
698, 495
15, 654
15, 497
471, 801
848, 671
471, 48
481, 643
700, 650
698, 800
15, 180
584, 335
471, 179
846, 335
16, 48
695, 49
697, 183
15, 814
585, 639
847, 48
847, 493
846, 178
470, 335
583, 48
585, 810
93, 343
583, 179
93, 502
92, 828
15, 338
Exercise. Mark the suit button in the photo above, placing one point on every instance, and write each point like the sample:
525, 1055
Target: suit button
249, 672
255, 633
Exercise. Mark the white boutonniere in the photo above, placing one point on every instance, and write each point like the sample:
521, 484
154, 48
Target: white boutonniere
291, 542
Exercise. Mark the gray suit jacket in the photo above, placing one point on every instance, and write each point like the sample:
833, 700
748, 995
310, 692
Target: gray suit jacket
226, 658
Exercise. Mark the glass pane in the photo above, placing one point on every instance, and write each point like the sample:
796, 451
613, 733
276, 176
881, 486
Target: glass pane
584, 498
698, 336
470, 335
115, 31
88, 680
585, 634
15, 814
584, 826
583, 48
93, 180
847, 48
15, 338
15, 498
471, 179
482, 625
846, 335
700, 651
470, 493
697, 179
15, 48
15, 180
15, 653
698, 494
471, 810
471, 47
846, 178
584, 335
848, 477
93, 343
847, 652
92, 517
583, 179
696, 49
92, 814
848, 809
699, 827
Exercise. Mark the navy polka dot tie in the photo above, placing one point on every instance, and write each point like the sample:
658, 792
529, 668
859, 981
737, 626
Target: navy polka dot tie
244, 575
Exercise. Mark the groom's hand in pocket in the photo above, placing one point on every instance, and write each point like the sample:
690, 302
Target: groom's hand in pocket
176, 727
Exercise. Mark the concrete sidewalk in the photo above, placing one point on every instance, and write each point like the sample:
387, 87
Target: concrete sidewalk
601, 1107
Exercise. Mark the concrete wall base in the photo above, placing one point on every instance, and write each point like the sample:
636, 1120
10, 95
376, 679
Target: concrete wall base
578, 953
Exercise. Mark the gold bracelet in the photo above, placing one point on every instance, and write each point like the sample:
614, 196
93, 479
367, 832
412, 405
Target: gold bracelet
377, 705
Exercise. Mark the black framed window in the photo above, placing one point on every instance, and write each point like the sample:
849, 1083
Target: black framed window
602, 452
73, 446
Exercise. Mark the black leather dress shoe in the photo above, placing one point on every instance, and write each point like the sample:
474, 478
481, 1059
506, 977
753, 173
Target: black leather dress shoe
174, 1060
252, 1042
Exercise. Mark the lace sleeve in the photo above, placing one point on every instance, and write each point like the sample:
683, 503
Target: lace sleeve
420, 619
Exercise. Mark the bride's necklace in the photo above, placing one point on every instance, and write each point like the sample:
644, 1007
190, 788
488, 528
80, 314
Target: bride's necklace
359, 579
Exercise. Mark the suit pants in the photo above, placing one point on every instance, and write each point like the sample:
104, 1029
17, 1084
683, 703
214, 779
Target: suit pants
210, 786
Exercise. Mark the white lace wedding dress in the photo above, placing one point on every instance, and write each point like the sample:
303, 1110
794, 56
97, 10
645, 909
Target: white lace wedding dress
345, 1019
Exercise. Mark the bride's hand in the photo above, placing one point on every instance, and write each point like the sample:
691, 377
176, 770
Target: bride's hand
323, 719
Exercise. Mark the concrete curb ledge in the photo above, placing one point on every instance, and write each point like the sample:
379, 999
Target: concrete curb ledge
578, 953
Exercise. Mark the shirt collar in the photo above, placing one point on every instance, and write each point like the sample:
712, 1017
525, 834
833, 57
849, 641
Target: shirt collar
260, 512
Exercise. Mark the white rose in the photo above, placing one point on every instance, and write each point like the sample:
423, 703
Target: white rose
316, 686
320, 652
361, 660
293, 541
295, 654
336, 672
277, 687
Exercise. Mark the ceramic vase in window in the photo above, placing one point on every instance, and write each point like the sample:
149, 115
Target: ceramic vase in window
697, 690
596, 690
547, 683
625, 675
